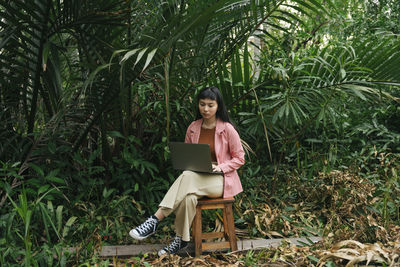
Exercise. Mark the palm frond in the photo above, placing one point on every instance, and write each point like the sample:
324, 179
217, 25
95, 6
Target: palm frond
316, 85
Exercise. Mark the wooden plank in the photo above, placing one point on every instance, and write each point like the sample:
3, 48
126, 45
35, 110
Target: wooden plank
211, 206
215, 200
130, 250
215, 245
133, 250
267, 243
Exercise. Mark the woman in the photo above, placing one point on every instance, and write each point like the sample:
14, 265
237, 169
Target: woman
212, 127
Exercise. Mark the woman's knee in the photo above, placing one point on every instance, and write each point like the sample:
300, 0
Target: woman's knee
191, 200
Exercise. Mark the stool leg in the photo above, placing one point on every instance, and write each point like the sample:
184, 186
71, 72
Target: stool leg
197, 230
229, 226
193, 228
225, 222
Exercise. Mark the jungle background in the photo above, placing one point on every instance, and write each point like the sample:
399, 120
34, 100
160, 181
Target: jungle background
92, 92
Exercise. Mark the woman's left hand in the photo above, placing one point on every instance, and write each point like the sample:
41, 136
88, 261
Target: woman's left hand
215, 168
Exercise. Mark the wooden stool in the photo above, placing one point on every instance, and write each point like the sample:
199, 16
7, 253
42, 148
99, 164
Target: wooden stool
229, 225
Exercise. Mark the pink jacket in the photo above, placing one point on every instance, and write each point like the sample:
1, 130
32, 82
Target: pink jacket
228, 150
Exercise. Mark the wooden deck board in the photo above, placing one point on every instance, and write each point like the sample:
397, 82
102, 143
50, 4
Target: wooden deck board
133, 250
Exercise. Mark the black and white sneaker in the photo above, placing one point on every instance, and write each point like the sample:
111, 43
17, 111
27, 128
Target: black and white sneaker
176, 245
145, 230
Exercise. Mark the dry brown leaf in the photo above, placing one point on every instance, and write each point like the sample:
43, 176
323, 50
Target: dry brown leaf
349, 251
274, 233
370, 256
348, 242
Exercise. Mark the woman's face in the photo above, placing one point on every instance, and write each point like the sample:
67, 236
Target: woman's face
208, 108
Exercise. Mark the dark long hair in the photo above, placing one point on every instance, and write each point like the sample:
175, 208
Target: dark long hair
213, 93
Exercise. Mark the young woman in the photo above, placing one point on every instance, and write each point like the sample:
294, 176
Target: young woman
212, 127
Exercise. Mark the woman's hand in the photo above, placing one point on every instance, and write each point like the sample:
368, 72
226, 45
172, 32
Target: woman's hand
215, 168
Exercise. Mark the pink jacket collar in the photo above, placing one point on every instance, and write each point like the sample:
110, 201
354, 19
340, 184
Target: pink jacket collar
219, 128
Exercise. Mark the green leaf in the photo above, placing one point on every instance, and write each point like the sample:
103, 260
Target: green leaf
116, 134
43, 189
27, 222
149, 58
52, 148
68, 226
127, 55
358, 90
286, 218
140, 55
59, 213
48, 220
92, 75
55, 179
37, 169
313, 259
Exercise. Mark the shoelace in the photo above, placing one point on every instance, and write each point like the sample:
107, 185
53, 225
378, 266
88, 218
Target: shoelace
146, 226
174, 246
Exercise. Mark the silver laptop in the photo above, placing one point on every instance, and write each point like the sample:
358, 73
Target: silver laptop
192, 157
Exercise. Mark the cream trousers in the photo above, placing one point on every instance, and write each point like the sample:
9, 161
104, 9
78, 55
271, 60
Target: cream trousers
182, 197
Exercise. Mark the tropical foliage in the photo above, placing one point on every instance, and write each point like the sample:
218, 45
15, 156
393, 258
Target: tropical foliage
93, 91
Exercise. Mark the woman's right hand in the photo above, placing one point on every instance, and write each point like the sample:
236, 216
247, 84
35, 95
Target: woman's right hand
215, 168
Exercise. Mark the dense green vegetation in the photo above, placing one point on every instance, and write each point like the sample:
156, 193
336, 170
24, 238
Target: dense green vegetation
91, 93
